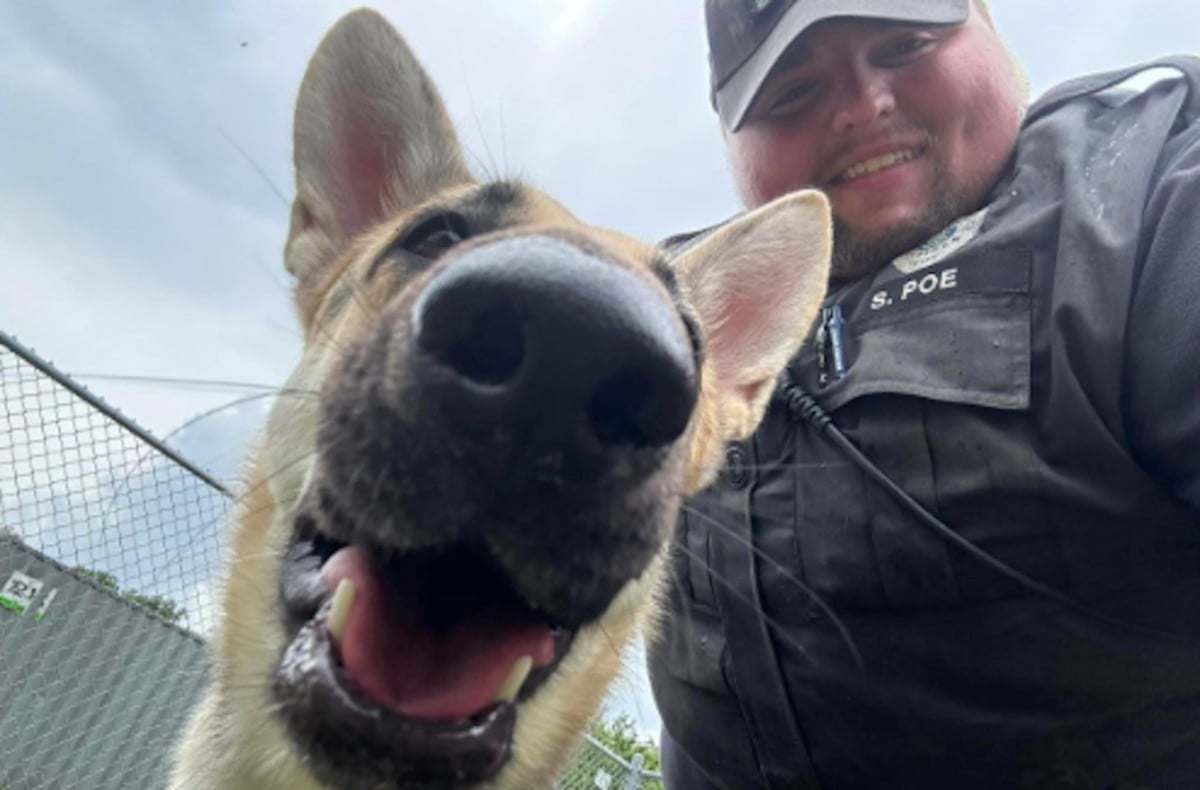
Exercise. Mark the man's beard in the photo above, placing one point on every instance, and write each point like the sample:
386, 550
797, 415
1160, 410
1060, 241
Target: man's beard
860, 253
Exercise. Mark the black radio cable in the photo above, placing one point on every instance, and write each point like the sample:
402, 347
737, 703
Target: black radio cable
804, 406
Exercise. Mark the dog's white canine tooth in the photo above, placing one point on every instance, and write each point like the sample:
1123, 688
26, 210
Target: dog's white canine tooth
339, 610
516, 678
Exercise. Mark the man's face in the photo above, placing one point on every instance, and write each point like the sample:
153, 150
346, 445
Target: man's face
905, 127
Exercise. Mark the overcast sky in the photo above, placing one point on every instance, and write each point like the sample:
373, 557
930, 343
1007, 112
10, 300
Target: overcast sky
145, 171
136, 237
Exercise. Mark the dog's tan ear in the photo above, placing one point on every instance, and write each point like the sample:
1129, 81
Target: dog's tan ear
756, 284
371, 137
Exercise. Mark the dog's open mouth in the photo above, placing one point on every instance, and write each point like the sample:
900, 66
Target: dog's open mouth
406, 668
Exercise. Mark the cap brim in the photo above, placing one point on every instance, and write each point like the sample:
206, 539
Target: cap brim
733, 99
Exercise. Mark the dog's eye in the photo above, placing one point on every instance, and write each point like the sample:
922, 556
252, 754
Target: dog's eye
432, 236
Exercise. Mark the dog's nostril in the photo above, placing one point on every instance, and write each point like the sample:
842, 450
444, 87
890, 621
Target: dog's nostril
490, 348
617, 407
636, 409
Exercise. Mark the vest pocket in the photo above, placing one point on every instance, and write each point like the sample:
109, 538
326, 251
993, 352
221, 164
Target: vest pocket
958, 332
965, 350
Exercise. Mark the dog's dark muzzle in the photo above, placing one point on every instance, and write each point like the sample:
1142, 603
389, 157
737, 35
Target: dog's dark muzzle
493, 466
528, 399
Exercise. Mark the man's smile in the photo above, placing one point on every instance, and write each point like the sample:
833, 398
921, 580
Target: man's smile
874, 164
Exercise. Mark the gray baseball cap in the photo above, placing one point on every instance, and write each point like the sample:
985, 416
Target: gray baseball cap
747, 37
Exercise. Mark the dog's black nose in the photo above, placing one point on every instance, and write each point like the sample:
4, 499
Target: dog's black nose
537, 341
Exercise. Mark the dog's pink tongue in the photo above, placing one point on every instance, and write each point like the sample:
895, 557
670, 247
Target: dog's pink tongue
401, 664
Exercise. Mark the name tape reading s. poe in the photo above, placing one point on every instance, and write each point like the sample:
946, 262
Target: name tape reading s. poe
997, 272
921, 285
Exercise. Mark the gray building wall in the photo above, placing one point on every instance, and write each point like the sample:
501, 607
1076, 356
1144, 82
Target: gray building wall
94, 690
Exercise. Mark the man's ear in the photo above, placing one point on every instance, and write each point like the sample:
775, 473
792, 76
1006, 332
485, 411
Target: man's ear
755, 285
371, 137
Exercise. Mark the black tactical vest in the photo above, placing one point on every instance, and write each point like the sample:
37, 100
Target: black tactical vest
820, 636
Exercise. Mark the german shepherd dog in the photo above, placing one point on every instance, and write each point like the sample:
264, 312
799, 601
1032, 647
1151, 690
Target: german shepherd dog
444, 545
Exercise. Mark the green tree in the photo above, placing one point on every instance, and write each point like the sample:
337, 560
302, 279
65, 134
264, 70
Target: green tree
105, 580
159, 605
621, 736
165, 608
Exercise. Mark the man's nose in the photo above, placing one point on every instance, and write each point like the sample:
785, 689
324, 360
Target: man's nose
862, 98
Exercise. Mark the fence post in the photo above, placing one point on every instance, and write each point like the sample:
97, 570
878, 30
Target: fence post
634, 780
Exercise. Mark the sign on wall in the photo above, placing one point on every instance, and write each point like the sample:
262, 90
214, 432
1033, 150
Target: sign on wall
19, 591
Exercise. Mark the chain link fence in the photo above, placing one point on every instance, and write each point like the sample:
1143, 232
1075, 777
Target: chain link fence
85, 486
596, 767
109, 544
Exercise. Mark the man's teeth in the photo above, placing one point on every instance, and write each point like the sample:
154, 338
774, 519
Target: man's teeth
877, 163
516, 678
339, 610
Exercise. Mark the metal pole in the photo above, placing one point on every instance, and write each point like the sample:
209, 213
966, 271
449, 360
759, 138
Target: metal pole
634, 780
78, 391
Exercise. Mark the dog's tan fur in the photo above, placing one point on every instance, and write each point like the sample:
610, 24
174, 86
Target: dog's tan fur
373, 145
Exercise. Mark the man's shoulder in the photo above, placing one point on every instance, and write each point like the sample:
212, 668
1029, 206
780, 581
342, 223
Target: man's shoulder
1117, 87
678, 243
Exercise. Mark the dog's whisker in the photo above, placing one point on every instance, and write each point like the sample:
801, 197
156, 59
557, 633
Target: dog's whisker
786, 572
782, 632
432, 469
489, 170
608, 638
503, 141
252, 490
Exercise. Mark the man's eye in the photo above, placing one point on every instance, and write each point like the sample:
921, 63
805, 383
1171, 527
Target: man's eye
902, 49
791, 98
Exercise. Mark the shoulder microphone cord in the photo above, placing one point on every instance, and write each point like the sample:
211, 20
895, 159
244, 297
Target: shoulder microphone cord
804, 406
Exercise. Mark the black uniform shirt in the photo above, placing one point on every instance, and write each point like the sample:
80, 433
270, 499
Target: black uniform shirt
1032, 377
